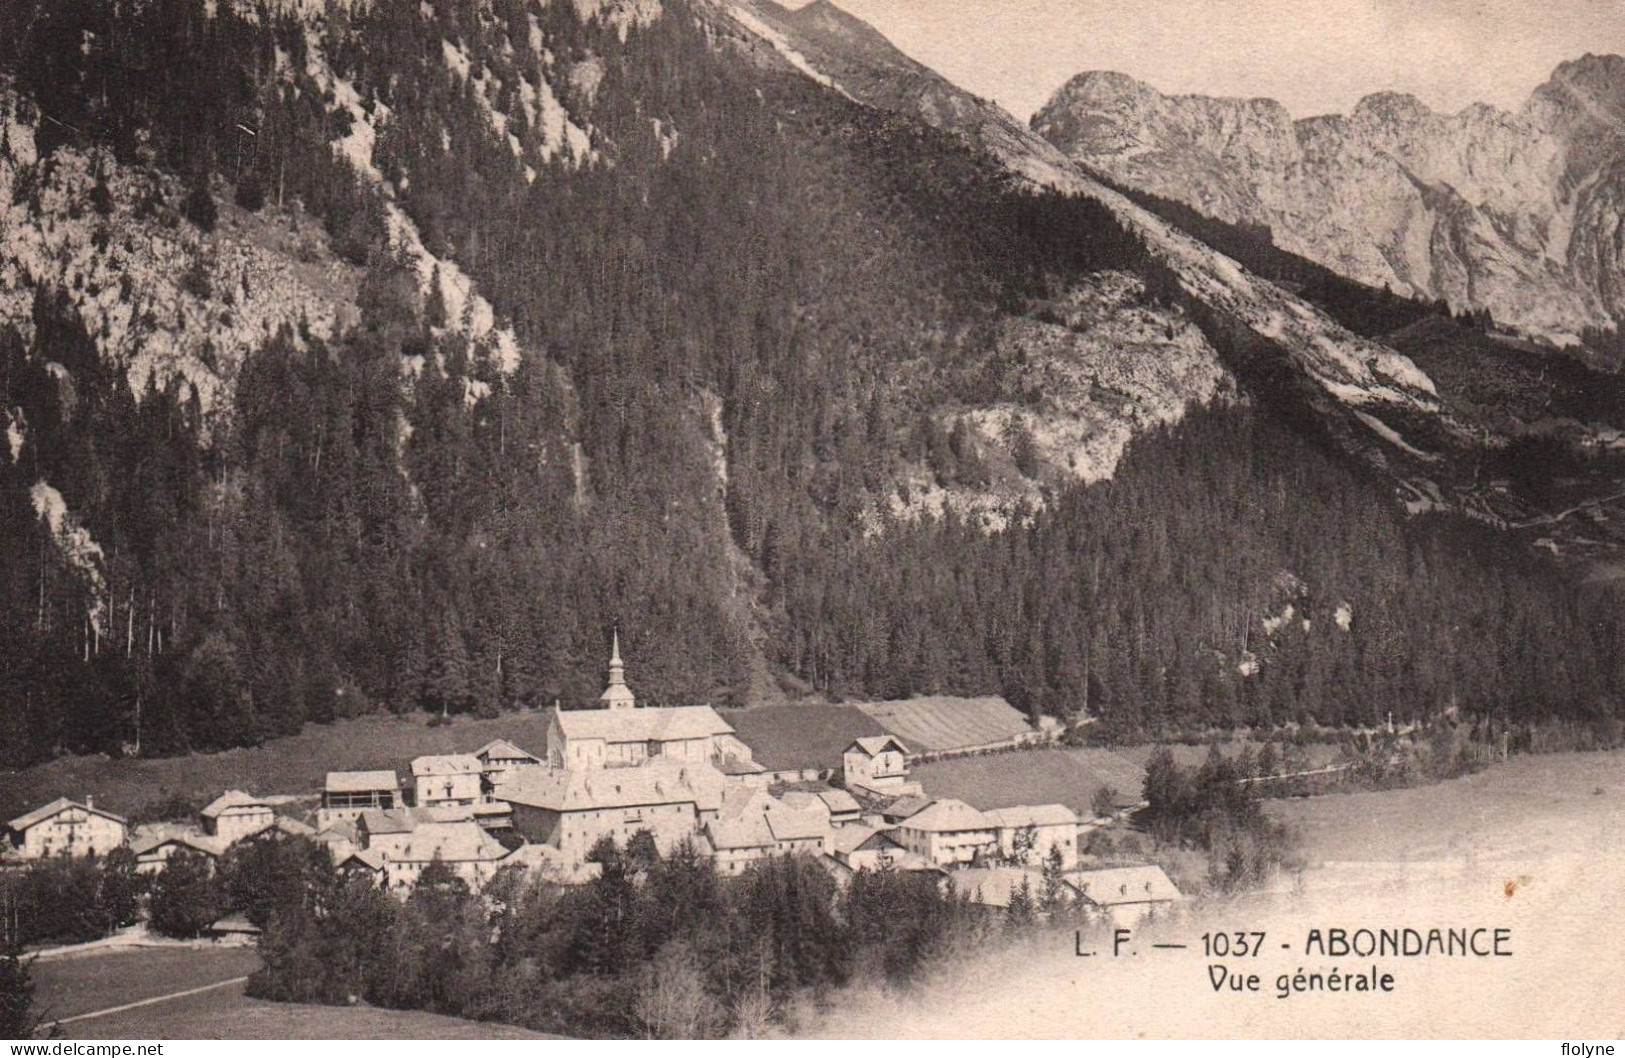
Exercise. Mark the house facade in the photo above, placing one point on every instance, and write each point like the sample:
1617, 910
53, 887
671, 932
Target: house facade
878, 763
66, 828
499, 759
1027, 833
235, 815
448, 779
1125, 895
347, 794
406, 841
948, 833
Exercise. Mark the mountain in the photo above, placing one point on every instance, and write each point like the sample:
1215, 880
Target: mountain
1517, 213
364, 356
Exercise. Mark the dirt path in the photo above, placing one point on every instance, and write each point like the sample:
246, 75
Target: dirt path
150, 1001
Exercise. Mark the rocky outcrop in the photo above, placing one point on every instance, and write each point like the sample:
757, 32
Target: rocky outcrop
1517, 213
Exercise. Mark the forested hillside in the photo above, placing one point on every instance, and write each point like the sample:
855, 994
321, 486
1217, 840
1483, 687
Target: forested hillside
623, 328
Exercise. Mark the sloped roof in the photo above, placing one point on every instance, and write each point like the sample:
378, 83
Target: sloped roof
236, 922
789, 737
947, 816
1125, 885
747, 832
790, 824
655, 782
502, 749
190, 839
231, 799
877, 744
368, 858
1034, 816
993, 886
294, 828
447, 764
46, 811
406, 820
941, 723
852, 838
461, 842
361, 781
339, 830
906, 807
801, 801
643, 725
838, 801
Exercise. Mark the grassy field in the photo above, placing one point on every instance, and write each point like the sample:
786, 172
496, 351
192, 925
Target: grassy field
1037, 776
1533, 805
293, 765
65, 987
82, 984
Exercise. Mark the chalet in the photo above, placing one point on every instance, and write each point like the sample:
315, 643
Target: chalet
876, 849
843, 808
904, 807
1028, 833
365, 862
754, 825
500, 758
948, 833
449, 779
235, 815
66, 828
347, 794
1125, 894
234, 930
619, 734
155, 846
408, 840
878, 763
573, 810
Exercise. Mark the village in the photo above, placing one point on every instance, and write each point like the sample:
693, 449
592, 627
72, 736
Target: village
840, 793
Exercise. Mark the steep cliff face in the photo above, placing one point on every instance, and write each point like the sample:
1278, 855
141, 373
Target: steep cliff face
1516, 213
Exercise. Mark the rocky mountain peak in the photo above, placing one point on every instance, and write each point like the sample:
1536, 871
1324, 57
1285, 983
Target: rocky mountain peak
1483, 208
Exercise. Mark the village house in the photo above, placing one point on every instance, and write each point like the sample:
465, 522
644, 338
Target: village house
573, 810
1027, 833
235, 815
500, 758
754, 825
156, 845
66, 828
878, 763
1125, 895
863, 847
619, 734
948, 833
365, 862
843, 808
448, 779
904, 807
407, 840
347, 794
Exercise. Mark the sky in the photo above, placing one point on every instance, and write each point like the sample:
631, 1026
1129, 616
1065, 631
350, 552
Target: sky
1314, 56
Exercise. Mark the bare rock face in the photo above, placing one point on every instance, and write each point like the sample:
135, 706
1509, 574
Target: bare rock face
1517, 213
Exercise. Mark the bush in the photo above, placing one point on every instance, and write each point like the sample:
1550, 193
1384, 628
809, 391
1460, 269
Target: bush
250, 193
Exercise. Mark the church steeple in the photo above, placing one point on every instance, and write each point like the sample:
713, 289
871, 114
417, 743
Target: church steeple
617, 695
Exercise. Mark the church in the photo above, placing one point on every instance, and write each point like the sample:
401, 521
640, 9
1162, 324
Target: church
621, 734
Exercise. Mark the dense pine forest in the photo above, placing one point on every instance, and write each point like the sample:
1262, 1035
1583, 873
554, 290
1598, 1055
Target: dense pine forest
741, 319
